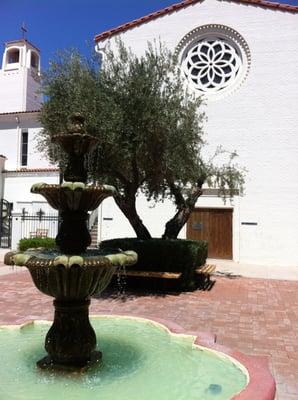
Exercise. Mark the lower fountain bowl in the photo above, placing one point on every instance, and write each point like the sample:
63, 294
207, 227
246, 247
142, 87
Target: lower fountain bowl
141, 359
72, 277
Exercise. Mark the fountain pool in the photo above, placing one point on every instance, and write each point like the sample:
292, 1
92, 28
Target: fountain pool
141, 360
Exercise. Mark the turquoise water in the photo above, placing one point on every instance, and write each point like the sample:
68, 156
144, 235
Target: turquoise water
141, 361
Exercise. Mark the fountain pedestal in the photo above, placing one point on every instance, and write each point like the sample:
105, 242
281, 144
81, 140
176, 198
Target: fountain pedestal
73, 236
71, 340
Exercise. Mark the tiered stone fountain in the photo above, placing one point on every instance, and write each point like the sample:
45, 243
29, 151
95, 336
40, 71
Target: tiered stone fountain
73, 274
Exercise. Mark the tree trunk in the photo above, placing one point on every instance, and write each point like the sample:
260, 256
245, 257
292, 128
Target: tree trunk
175, 224
128, 206
184, 209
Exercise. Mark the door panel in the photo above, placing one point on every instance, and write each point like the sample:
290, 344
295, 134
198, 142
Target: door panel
215, 226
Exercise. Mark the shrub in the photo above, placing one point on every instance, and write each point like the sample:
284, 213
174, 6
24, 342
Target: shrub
35, 242
173, 255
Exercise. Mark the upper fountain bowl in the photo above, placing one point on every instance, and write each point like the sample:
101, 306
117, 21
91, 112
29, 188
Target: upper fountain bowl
73, 196
75, 143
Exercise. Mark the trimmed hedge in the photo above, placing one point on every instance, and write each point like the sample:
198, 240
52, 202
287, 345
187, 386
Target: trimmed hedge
46, 242
175, 255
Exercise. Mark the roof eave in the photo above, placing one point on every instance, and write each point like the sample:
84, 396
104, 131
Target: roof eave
19, 112
157, 14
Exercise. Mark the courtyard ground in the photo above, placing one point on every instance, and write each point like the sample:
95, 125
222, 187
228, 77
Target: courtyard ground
253, 315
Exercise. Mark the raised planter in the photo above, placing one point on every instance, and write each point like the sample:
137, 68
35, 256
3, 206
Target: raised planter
159, 255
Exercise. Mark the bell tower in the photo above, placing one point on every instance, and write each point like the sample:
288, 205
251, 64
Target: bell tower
20, 77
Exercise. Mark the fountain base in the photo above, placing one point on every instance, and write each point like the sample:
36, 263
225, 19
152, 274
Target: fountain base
71, 340
47, 363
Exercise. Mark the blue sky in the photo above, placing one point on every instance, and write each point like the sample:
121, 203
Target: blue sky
59, 24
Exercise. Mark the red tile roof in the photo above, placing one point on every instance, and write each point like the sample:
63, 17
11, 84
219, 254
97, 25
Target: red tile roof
182, 4
25, 170
20, 112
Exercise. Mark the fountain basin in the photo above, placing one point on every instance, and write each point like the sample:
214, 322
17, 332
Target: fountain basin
142, 359
72, 277
71, 280
73, 196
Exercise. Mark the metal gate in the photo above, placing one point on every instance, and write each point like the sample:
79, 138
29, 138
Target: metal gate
39, 224
5, 223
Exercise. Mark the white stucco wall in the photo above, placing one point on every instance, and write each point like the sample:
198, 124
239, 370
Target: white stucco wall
17, 190
113, 223
33, 96
19, 91
16, 185
259, 120
11, 91
11, 127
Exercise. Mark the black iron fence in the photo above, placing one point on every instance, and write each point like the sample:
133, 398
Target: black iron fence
5, 223
39, 225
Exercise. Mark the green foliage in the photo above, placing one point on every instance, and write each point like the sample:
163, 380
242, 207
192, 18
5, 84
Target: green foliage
222, 172
69, 86
165, 256
46, 242
157, 129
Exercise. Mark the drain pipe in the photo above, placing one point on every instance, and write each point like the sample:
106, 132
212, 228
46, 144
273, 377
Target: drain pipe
18, 141
2, 168
99, 226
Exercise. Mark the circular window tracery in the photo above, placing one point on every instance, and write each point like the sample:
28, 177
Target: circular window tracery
211, 64
214, 59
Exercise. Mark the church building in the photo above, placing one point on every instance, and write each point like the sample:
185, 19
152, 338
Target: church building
242, 57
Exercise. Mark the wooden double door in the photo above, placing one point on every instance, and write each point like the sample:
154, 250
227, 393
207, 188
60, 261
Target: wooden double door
216, 226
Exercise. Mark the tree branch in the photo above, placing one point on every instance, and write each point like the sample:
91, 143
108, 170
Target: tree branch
176, 192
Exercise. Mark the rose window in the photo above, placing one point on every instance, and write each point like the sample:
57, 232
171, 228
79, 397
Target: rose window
211, 64
215, 60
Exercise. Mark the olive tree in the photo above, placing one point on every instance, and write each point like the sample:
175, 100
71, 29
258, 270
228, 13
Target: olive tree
150, 129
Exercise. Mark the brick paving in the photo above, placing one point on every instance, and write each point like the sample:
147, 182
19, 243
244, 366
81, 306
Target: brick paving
255, 316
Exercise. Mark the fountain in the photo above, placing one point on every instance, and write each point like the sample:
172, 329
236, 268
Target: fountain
72, 274
142, 359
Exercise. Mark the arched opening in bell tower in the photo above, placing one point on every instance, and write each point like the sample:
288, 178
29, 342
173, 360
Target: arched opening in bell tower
13, 56
34, 62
